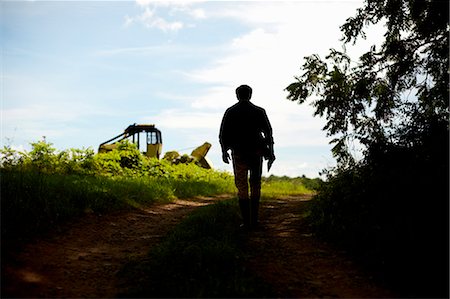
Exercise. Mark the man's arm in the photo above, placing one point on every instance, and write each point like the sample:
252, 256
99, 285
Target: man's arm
223, 139
268, 136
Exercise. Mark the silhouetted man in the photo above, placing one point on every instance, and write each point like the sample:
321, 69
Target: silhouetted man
246, 131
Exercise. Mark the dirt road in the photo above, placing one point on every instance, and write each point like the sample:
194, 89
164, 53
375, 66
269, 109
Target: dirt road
285, 254
83, 260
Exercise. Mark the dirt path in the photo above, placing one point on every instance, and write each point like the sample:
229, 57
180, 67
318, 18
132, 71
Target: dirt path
286, 254
83, 260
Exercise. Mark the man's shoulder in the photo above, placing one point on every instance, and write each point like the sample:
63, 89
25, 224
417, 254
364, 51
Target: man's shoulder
257, 109
234, 107
231, 109
245, 106
248, 109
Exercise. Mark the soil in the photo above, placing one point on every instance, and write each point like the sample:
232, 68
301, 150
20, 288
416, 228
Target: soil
83, 258
286, 254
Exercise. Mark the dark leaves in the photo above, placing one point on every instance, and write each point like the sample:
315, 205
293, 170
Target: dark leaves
367, 99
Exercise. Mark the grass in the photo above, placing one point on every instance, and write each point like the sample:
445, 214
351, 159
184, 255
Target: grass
275, 187
202, 257
33, 201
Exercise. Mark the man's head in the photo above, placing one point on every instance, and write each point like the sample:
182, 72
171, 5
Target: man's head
244, 93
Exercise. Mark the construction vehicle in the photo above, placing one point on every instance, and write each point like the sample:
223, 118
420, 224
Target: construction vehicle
199, 154
152, 134
153, 143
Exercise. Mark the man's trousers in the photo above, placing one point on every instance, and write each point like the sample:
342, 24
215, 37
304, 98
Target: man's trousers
243, 166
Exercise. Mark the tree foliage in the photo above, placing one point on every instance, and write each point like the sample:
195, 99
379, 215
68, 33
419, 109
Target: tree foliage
391, 207
394, 93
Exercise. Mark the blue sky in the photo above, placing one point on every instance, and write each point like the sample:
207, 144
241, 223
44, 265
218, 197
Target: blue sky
80, 72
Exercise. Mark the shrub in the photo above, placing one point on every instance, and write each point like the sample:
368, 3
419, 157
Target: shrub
393, 213
46, 187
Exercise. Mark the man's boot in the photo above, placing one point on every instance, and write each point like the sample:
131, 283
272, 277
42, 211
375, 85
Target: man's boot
254, 211
244, 205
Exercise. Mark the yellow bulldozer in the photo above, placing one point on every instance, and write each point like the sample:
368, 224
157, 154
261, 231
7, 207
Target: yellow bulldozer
153, 143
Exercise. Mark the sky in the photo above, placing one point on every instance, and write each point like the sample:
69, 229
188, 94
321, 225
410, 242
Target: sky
80, 72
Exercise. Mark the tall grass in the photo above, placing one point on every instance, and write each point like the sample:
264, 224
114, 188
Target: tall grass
278, 187
202, 257
45, 187
33, 201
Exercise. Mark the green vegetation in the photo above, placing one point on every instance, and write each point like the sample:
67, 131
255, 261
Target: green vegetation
45, 187
276, 187
392, 206
202, 257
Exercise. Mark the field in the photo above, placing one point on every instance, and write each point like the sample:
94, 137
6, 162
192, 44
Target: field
91, 203
44, 187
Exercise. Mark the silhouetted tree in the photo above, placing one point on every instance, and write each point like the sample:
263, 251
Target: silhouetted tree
391, 207
395, 93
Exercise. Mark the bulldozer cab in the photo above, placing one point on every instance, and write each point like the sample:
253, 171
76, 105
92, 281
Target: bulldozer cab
154, 144
151, 135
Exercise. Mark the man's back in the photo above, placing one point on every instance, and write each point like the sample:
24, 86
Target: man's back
245, 128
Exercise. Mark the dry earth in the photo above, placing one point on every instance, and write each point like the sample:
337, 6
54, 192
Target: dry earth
83, 259
286, 254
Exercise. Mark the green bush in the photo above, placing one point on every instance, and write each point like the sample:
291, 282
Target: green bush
46, 187
44, 158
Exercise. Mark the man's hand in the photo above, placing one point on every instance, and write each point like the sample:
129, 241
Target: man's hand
270, 161
226, 157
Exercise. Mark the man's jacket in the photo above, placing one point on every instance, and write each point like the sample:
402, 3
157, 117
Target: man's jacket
246, 130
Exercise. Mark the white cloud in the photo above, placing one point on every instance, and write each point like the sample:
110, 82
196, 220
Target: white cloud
182, 119
128, 21
25, 124
144, 3
151, 17
268, 57
217, 97
165, 25
197, 13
